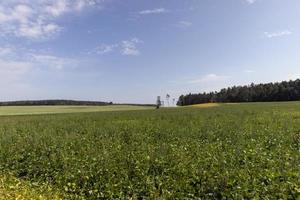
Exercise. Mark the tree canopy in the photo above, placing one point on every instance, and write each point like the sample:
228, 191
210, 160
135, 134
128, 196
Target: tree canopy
53, 102
283, 91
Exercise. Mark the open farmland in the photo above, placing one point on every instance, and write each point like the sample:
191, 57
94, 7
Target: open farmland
31, 110
231, 151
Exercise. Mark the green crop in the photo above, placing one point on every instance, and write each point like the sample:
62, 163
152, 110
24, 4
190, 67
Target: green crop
239, 151
33, 110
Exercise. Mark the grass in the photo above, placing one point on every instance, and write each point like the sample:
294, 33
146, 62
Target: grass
30, 110
229, 151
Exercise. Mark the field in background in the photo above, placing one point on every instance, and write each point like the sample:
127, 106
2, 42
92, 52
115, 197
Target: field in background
30, 110
231, 151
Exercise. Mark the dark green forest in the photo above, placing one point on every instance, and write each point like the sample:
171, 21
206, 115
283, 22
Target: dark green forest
53, 102
61, 102
269, 92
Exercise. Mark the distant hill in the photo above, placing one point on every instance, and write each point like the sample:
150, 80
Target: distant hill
53, 103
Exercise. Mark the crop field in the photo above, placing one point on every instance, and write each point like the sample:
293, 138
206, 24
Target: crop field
225, 151
31, 110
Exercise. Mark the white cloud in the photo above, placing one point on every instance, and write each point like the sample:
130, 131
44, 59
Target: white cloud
251, 1
129, 47
38, 30
278, 33
51, 61
36, 19
18, 65
249, 71
125, 47
12, 70
184, 24
57, 8
5, 51
209, 78
21, 58
105, 48
80, 4
153, 11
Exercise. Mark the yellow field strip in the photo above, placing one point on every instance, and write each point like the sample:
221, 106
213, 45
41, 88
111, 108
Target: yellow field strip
12, 188
206, 105
36, 110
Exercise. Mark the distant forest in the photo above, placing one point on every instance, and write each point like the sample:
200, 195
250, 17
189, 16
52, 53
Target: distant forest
54, 102
64, 103
283, 91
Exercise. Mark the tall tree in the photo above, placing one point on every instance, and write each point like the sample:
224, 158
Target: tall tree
168, 99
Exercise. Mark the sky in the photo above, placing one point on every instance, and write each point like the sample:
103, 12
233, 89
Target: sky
131, 51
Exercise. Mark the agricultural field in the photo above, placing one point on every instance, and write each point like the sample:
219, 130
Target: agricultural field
220, 151
31, 110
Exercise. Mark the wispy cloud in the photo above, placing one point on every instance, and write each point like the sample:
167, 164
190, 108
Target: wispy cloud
15, 57
251, 1
37, 19
18, 64
105, 48
129, 47
13, 68
4, 51
184, 24
208, 78
12, 71
125, 47
153, 11
278, 33
12, 65
249, 71
51, 61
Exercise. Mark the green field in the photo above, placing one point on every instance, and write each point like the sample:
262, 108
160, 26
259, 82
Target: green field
30, 110
225, 151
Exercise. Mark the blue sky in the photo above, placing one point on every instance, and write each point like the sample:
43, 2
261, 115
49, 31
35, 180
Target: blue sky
134, 50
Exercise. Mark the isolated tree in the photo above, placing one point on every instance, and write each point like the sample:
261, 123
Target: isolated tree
168, 98
174, 100
158, 102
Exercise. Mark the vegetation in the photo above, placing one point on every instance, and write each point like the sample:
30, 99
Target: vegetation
30, 110
13, 188
284, 91
53, 103
229, 151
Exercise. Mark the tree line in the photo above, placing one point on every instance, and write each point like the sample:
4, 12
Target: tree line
280, 91
54, 102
